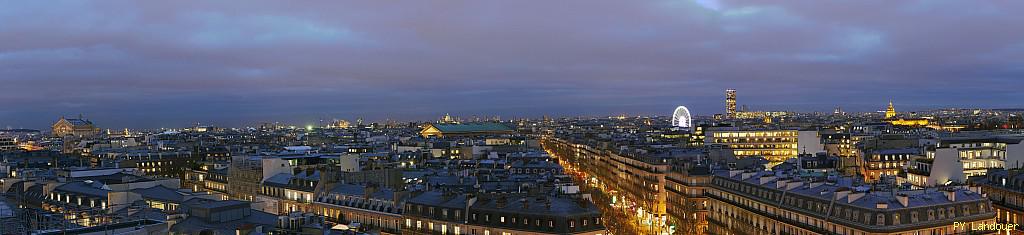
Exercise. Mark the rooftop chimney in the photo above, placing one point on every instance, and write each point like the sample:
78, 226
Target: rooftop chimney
794, 184
976, 189
950, 194
854, 196
903, 198
746, 175
781, 183
733, 173
369, 190
842, 192
501, 201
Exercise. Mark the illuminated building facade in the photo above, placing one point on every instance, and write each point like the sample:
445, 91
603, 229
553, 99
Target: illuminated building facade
881, 162
464, 130
697, 137
685, 138
890, 112
163, 164
686, 203
773, 145
957, 159
245, 175
292, 192
838, 144
909, 122
342, 124
765, 202
217, 154
761, 114
890, 117
448, 119
78, 127
8, 143
249, 174
1015, 122
638, 180
90, 197
441, 212
207, 178
843, 145
730, 103
1005, 188
366, 204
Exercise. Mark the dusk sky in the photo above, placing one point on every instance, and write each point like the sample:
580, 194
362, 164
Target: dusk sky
151, 64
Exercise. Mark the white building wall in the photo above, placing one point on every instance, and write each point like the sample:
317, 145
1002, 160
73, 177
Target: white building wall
402, 149
350, 163
274, 166
1014, 156
809, 141
946, 167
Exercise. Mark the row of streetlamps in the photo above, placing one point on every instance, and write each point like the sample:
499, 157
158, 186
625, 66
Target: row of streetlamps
633, 221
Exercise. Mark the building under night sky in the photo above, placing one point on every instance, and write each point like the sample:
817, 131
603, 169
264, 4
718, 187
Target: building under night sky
511, 117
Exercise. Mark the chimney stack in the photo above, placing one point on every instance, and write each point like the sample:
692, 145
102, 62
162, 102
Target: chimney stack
842, 192
501, 201
746, 175
854, 197
903, 198
781, 183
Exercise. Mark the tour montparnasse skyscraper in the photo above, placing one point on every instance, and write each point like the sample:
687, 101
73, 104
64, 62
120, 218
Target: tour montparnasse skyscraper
730, 103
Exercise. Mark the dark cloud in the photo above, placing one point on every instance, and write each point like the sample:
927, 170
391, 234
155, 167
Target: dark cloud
170, 63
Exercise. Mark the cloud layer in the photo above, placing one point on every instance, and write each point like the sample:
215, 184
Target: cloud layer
171, 63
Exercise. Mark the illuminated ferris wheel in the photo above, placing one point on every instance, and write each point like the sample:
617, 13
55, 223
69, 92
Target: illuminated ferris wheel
681, 117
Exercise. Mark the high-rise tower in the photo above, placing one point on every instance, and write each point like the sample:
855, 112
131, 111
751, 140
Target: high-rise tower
730, 103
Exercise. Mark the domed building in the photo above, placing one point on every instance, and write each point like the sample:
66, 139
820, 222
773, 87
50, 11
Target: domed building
79, 127
890, 117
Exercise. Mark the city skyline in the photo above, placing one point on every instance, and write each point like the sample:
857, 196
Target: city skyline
170, 64
574, 117
330, 121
